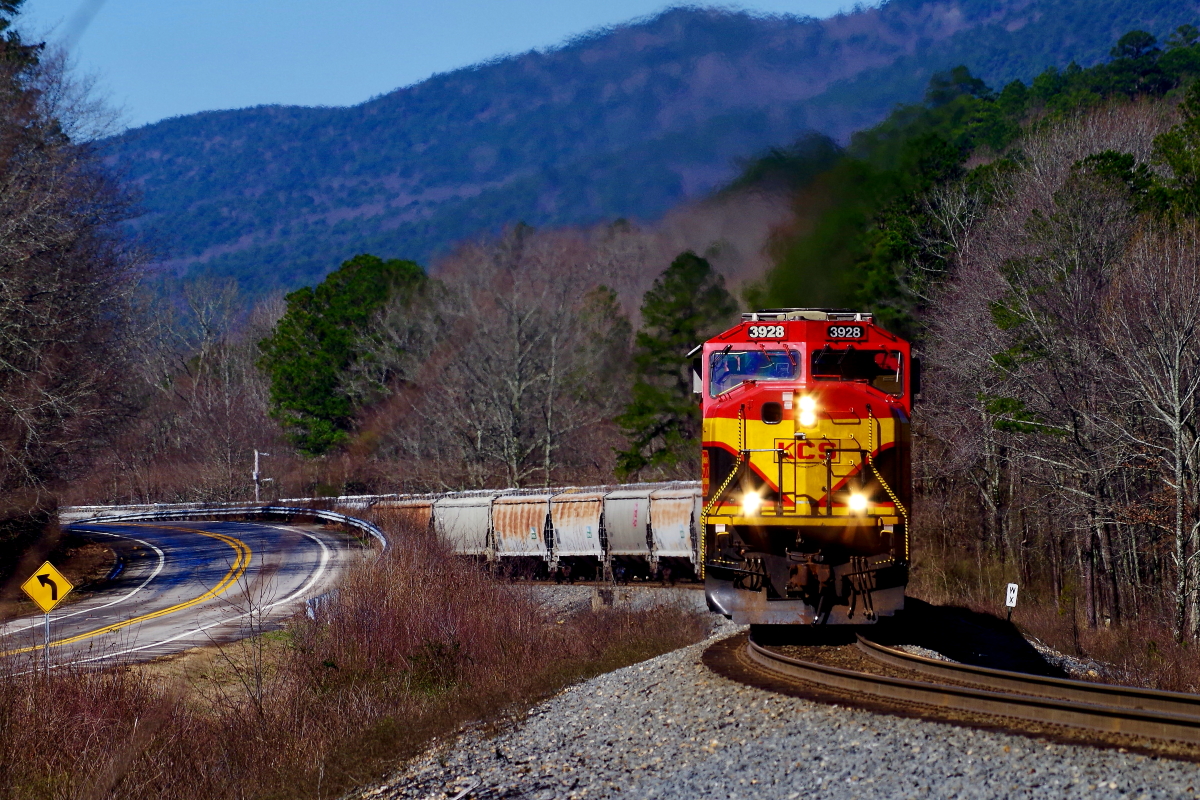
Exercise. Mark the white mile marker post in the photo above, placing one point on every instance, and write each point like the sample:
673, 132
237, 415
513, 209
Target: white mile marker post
1010, 599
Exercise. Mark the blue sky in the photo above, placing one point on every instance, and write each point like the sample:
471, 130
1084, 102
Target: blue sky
156, 59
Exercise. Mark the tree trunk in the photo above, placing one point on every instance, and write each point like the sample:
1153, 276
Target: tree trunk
1088, 572
551, 377
1110, 566
1183, 584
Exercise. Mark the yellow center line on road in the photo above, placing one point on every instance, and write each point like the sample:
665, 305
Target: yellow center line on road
240, 563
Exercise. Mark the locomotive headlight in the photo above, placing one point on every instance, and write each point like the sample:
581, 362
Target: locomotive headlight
808, 411
751, 503
857, 503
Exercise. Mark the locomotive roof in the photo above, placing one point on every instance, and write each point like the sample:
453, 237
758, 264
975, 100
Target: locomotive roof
820, 314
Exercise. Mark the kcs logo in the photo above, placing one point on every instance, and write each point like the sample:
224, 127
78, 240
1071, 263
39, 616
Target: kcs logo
805, 450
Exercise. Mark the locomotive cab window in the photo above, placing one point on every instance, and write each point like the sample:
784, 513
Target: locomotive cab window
883, 369
730, 368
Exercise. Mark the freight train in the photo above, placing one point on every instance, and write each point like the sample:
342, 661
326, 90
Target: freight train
604, 532
802, 513
806, 467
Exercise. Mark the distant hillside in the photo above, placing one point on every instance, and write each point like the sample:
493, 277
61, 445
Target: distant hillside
626, 122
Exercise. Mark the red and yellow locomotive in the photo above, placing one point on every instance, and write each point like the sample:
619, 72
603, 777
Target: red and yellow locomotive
806, 468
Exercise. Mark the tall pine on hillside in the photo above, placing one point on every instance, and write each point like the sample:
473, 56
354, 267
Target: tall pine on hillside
687, 304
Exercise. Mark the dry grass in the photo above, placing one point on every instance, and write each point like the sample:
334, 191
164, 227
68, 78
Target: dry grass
415, 644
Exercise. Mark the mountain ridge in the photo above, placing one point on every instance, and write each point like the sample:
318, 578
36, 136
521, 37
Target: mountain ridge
624, 122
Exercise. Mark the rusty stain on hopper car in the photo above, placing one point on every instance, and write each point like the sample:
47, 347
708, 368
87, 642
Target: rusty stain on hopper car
519, 523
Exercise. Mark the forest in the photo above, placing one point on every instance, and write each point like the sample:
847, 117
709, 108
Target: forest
1039, 242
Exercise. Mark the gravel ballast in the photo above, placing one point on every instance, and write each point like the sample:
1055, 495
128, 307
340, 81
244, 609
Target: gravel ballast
671, 728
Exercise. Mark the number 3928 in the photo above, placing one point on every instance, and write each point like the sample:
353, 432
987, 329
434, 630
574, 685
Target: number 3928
845, 332
766, 331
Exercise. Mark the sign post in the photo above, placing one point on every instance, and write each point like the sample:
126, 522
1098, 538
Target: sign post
1010, 599
47, 587
259, 480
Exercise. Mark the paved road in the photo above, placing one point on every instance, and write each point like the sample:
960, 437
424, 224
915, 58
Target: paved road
184, 584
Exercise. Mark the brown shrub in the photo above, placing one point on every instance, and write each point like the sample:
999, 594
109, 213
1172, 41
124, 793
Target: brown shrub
415, 643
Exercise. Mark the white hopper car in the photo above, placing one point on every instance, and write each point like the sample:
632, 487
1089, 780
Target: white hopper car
611, 531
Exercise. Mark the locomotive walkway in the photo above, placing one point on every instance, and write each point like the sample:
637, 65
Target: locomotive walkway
672, 728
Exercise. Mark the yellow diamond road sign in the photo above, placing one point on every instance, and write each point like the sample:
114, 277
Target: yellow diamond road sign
47, 587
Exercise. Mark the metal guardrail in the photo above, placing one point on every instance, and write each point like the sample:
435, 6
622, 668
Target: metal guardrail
209, 512
177, 511
76, 513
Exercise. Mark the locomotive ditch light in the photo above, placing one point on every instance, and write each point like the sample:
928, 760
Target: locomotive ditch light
857, 503
751, 503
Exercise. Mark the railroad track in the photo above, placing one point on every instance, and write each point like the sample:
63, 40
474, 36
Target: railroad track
1113, 715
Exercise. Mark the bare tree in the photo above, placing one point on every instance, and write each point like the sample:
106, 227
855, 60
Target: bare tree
1151, 323
67, 274
1018, 336
519, 351
202, 404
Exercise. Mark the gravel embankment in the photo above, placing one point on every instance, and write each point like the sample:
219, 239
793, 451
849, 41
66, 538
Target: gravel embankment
670, 728
1078, 668
574, 599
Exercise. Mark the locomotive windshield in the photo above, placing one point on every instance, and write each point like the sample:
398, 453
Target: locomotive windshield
883, 369
732, 367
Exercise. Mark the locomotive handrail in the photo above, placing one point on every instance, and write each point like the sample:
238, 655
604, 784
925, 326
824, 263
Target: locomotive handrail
870, 460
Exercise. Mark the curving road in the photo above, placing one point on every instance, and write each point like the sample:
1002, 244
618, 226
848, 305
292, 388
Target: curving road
184, 584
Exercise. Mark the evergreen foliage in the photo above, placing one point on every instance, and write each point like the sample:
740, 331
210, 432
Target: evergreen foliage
313, 346
871, 245
687, 304
1179, 150
13, 49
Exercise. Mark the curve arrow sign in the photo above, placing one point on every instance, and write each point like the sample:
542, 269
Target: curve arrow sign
46, 580
47, 587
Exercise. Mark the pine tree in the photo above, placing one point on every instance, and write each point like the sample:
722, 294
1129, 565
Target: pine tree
686, 304
1179, 149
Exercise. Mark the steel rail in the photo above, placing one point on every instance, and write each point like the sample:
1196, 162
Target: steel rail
1181, 724
1058, 688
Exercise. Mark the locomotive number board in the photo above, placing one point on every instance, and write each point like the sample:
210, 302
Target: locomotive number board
767, 331
846, 331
